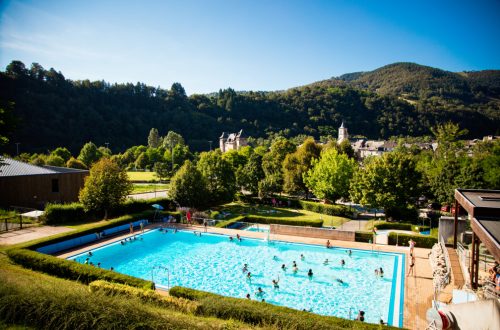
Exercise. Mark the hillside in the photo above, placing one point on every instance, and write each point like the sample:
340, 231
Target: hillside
398, 99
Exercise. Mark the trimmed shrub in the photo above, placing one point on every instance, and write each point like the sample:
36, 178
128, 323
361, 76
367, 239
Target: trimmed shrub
363, 236
66, 213
149, 296
278, 221
421, 241
74, 212
71, 270
258, 313
338, 210
393, 225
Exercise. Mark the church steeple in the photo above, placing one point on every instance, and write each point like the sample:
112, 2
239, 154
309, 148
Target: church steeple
343, 135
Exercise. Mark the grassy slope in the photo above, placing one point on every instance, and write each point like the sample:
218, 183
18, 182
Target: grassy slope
42, 301
264, 211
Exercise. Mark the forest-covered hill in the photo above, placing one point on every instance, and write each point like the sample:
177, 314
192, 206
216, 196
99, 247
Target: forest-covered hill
398, 99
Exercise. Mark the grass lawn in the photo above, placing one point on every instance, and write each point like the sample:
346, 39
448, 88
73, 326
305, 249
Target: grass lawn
142, 176
265, 211
142, 188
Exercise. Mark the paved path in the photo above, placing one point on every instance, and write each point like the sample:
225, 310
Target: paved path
149, 195
355, 225
28, 234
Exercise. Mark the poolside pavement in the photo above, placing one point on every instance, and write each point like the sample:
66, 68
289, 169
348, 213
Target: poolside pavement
29, 234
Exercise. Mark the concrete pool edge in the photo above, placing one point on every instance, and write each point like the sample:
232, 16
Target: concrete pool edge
395, 314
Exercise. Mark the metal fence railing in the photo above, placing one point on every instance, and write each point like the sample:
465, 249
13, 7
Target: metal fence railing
14, 223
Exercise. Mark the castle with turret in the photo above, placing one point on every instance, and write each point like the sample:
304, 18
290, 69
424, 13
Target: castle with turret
232, 141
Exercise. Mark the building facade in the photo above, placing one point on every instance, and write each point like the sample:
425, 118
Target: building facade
232, 141
26, 185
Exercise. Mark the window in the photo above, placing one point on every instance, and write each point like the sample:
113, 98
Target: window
55, 185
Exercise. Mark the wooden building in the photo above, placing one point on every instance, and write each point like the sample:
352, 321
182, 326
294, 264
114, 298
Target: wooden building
26, 185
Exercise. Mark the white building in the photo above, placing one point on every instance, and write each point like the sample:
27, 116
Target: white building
233, 141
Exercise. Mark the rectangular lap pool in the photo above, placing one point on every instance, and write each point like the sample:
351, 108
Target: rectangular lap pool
213, 263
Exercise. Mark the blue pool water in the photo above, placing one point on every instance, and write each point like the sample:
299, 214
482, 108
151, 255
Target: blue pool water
258, 228
214, 263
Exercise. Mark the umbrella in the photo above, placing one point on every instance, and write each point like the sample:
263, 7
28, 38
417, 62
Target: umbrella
157, 206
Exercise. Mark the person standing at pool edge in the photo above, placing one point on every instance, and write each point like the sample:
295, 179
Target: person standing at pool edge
328, 244
412, 244
131, 228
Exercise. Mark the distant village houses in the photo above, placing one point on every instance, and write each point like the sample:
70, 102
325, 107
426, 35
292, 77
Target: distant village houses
232, 141
364, 148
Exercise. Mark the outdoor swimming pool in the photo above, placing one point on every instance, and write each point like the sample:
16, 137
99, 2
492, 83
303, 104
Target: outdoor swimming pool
258, 228
213, 263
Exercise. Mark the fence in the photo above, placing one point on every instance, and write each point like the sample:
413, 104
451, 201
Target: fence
14, 223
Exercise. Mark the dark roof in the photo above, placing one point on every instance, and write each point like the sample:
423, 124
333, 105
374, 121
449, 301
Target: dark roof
13, 167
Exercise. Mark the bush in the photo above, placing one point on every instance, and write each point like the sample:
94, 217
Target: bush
363, 236
66, 213
71, 270
338, 210
421, 241
393, 225
149, 296
258, 313
278, 221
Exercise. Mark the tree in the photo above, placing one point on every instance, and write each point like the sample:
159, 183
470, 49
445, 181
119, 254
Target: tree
251, 174
172, 139
63, 153
55, 160
153, 138
219, 176
331, 175
390, 181
89, 154
188, 186
272, 165
106, 187
298, 163
142, 161
162, 170
75, 163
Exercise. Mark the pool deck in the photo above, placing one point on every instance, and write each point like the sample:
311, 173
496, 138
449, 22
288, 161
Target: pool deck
418, 288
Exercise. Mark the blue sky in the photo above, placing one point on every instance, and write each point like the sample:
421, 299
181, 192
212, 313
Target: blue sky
247, 45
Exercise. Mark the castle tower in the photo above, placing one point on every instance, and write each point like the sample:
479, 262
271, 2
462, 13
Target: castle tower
222, 142
343, 135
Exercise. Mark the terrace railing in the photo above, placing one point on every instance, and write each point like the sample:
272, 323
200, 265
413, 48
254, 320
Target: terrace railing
14, 223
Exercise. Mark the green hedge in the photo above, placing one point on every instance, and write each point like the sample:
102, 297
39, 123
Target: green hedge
393, 225
71, 270
66, 213
421, 241
258, 313
363, 236
328, 209
278, 221
149, 296
74, 212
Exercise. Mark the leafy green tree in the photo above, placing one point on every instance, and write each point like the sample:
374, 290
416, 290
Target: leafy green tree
249, 176
105, 152
89, 154
142, 161
55, 160
154, 138
162, 170
390, 181
331, 175
235, 159
491, 167
219, 176
64, 153
272, 165
106, 187
172, 139
75, 163
188, 186
298, 163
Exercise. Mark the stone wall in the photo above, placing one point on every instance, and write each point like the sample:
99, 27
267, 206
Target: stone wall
332, 234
